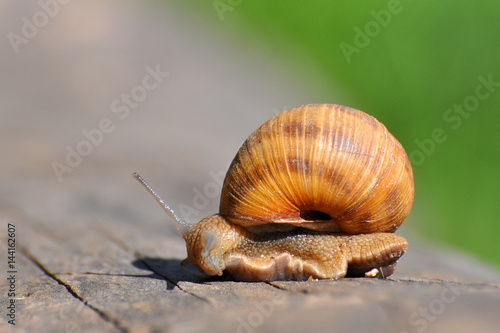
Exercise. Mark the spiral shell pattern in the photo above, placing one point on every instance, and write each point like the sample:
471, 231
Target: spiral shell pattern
323, 167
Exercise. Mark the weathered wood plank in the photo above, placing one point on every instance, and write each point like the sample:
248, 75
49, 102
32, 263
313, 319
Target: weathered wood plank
139, 304
393, 305
43, 304
113, 279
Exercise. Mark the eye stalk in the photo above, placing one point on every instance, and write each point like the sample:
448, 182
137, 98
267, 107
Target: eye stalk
180, 224
203, 240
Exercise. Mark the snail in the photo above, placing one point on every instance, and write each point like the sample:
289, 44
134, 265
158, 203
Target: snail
316, 192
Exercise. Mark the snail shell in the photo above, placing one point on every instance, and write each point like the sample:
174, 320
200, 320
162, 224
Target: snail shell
316, 191
321, 167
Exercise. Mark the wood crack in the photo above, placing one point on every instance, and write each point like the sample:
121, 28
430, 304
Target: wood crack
300, 291
172, 281
449, 282
152, 269
115, 322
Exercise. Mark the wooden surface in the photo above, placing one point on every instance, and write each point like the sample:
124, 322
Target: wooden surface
93, 251
109, 275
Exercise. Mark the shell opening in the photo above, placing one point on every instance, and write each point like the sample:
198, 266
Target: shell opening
314, 215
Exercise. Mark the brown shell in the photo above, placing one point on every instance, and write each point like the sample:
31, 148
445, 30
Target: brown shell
322, 167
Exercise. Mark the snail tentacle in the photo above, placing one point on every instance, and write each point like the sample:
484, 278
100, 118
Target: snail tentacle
179, 223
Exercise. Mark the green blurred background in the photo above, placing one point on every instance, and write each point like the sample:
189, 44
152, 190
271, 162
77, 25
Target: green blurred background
420, 67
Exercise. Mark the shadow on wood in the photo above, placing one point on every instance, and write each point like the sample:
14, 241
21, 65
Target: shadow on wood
173, 271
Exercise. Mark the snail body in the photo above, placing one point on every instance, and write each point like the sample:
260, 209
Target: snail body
316, 191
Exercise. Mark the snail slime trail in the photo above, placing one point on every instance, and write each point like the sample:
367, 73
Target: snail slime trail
315, 192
